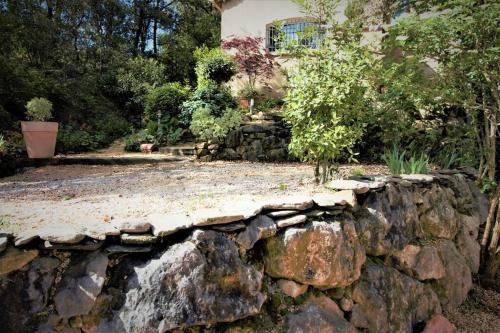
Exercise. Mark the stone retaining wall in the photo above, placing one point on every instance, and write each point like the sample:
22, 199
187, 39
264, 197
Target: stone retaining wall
262, 137
380, 255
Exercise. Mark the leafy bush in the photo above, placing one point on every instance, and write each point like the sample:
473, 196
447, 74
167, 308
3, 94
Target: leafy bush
165, 101
3, 145
212, 97
248, 92
39, 109
139, 76
208, 127
169, 131
213, 65
134, 141
71, 139
268, 105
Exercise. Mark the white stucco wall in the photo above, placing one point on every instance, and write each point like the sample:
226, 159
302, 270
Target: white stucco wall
250, 17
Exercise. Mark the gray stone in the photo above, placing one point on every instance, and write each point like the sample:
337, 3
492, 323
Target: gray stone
40, 276
417, 178
321, 254
229, 154
387, 220
358, 186
315, 213
336, 199
289, 203
14, 259
86, 245
234, 139
260, 227
64, 234
201, 281
318, 317
128, 249
81, 284
25, 237
297, 219
466, 241
231, 227
135, 239
438, 217
387, 301
282, 213
252, 128
452, 289
420, 262
132, 227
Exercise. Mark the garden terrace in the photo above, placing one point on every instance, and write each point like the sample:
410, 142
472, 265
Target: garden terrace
342, 259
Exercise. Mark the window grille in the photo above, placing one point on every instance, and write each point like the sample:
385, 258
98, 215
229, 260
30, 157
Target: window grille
290, 32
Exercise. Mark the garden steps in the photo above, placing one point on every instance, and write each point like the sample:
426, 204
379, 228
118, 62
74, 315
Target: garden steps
184, 149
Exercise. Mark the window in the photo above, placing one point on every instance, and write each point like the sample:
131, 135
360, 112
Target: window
291, 32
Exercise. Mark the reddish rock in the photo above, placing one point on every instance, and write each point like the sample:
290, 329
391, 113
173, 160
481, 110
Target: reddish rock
147, 147
439, 324
291, 288
321, 254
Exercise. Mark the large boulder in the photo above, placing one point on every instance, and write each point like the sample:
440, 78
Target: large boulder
260, 227
81, 284
467, 241
387, 220
452, 289
319, 315
387, 301
438, 216
420, 262
321, 254
201, 281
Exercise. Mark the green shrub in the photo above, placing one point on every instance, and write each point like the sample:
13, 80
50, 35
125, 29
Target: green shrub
248, 92
213, 65
268, 105
169, 132
212, 97
75, 140
134, 140
3, 145
398, 164
208, 127
39, 109
165, 100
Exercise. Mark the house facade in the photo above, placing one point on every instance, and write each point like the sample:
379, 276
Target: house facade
240, 18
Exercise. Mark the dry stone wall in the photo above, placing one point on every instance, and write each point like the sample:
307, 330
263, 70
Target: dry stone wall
378, 254
262, 137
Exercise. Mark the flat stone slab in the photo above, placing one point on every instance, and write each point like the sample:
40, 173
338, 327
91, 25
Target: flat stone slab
25, 237
231, 227
138, 239
282, 213
88, 245
289, 203
418, 178
132, 227
335, 199
282, 223
128, 249
358, 186
63, 234
315, 213
14, 259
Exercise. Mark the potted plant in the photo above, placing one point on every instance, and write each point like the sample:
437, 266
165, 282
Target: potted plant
39, 135
247, 95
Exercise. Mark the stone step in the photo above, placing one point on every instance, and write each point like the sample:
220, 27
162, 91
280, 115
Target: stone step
187, 149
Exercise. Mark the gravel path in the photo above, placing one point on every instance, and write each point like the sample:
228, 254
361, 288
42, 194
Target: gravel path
89, 196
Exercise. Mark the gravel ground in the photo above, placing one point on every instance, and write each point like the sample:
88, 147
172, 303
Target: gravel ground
480, 313
90, 195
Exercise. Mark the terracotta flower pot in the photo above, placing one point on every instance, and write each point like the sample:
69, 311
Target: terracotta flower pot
40, 138
244, 103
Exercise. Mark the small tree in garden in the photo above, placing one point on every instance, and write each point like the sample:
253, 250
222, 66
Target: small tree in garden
329, 95
254, 61
463, 41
